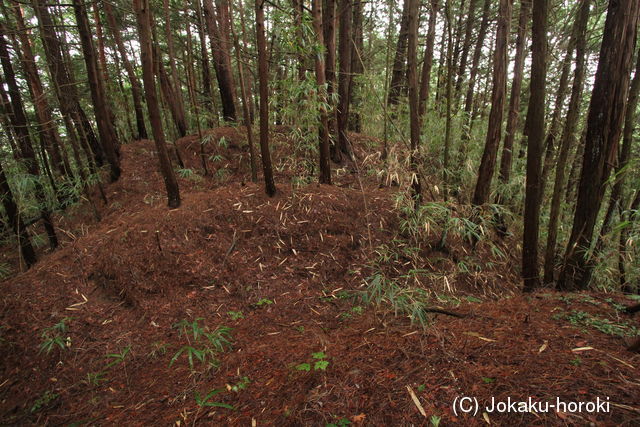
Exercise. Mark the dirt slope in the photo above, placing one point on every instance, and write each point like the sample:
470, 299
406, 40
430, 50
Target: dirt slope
140, 290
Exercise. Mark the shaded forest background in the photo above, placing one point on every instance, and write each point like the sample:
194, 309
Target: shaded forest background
468, 102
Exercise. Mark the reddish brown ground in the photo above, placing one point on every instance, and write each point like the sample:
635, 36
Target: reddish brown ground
126, 280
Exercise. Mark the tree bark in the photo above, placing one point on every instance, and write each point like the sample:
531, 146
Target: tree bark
221, 62
414, 114
427, 64
245, 107
21, 129
604, 125
466, 46
263, 75
144, 21
567, 140
399, 72
530, 270
323, 132
487, 164
40, 101
345, 51
16, 222
102, 112
516, 89
136, 90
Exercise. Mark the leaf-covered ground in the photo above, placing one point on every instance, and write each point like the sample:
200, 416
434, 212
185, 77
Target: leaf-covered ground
237, 308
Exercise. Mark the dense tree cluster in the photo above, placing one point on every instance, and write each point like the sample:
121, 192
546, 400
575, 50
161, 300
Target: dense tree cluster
541, 94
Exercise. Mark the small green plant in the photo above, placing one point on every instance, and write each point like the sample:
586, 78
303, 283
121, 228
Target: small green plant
341, 422
264, 301
95, 378
205, 401
300, 329
488, 380
186, 173
5, 270
117, 358
159, 348
576, 362
235, 315
44, 400
320, 363
202, 344
435, 420
54, 337
583, 319
240, 385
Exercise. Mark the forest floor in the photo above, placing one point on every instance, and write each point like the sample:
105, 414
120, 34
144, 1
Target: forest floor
239, 309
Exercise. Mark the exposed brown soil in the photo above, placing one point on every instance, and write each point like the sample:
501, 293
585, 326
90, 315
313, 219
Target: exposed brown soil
294, 265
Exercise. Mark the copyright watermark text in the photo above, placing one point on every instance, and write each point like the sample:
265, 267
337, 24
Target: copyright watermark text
471, 405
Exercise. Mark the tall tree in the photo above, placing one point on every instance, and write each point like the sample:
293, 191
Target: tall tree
263, 76
221, 58
604, 125
567, 140
43, 109
466, 46
425, 78
20, 127
414, 114
323, 132
245, 104
16, 221
144, 21
136, 90
399, 62
530, 269
345, 51
487, 164
516, 89
65, 89
204, 65
103, 115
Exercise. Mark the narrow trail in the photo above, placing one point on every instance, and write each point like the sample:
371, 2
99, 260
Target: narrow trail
147, 287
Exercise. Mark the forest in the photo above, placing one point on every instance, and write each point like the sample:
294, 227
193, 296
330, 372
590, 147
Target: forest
319, 212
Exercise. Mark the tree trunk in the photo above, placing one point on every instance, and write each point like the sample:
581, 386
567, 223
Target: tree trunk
466, 46
604, 125
323, 132
563, 84
221, 62
567, 140
530, 270
516, 89
329, 33
427, 64
395, 88
414, 114
16, 222
65, 87
40, 101
468, 104
245, 106
448, 93
206, 71
136, 90
144, 21
103, 115
487, 165
616, 196
357, 66
20, 127
345, 52
263, 75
